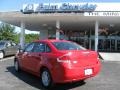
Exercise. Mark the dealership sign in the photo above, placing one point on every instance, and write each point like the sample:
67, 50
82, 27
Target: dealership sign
58, 7
102, 13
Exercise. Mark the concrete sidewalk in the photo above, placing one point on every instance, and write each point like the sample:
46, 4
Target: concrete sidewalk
110, 56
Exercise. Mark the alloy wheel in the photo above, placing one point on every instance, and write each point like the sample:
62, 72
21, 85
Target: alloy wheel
46, 79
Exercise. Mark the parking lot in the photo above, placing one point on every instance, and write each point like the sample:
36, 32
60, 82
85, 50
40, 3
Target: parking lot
108, 79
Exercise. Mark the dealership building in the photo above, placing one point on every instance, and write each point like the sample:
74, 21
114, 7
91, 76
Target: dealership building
95, 26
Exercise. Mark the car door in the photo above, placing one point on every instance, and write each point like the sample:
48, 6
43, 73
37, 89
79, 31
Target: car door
26, 56
36, 56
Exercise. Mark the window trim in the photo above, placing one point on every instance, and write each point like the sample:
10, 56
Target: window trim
46, 45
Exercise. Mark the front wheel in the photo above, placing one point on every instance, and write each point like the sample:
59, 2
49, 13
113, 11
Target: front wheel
16, 66
46, 79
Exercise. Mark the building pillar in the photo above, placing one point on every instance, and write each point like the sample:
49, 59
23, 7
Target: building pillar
90, 39
57, 30
39, 35
22, 35
96, 35
43, 34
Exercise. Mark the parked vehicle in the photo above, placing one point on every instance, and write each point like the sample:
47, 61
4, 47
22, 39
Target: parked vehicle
7, 48
57, 61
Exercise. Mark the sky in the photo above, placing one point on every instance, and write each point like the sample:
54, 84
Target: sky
16, 5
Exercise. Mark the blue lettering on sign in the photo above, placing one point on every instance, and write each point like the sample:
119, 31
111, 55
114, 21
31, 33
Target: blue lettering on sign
68, 6
65, 7
47, 7
85, 7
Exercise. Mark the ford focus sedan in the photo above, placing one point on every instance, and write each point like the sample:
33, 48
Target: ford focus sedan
57, 61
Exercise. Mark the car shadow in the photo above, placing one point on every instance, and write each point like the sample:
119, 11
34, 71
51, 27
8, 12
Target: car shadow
34, 81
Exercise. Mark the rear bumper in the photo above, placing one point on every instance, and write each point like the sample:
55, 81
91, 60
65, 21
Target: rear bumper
64, 75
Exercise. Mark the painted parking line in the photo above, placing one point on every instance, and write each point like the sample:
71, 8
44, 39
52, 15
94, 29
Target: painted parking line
5, 59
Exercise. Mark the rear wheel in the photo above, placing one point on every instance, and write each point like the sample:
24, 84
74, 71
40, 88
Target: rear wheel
1, 54
16, 66
46, 79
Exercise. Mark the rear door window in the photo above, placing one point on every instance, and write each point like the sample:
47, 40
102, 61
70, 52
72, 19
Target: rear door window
39, 47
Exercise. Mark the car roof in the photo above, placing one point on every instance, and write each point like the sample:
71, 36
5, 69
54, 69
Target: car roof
51, 40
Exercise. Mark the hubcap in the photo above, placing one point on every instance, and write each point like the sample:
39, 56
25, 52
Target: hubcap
45, 78
16, 65
1, 55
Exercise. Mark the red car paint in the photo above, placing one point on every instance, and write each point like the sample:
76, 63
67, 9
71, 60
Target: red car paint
63, 65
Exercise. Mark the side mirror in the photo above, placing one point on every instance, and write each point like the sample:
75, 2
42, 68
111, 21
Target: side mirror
20, 50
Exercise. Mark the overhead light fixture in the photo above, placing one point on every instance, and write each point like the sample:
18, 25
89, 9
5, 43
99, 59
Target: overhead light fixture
111, 25
44, 25
49, 27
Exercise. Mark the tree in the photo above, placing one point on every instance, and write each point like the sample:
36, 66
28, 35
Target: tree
7, 32
31, 37
28, 37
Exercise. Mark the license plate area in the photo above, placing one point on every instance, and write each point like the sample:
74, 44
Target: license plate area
88, 71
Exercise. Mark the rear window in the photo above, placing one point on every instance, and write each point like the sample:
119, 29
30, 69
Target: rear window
67, 46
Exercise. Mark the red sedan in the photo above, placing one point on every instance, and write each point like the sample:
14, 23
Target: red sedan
57, 61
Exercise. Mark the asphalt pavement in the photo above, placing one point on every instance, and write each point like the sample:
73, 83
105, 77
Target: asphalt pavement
107, 79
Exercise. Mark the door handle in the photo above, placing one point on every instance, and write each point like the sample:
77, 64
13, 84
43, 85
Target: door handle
29, 55
40, 55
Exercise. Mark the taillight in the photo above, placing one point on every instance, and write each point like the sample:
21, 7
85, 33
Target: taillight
64, 59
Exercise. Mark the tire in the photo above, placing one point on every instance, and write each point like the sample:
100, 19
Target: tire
1, 54
16, 66
46, 79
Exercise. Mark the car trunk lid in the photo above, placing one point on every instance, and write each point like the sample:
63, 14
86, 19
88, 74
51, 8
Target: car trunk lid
80, 58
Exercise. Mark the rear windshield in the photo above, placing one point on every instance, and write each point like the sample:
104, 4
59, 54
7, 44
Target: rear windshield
67, 46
